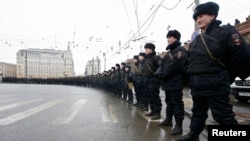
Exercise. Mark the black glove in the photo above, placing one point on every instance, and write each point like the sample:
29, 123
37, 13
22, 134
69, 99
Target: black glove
158, 75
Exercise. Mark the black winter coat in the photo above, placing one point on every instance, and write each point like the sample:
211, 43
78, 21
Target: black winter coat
205, 83
172, 66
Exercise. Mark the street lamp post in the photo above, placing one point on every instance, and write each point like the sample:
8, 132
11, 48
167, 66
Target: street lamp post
98, 65
104, 61
64, 65
26, 64
93, 62
26, 60
196, 28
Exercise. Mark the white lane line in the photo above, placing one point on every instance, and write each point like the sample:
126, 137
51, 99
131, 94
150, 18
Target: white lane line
112, 114
6, 100
6, 107
19, 116
75, 110
105, 117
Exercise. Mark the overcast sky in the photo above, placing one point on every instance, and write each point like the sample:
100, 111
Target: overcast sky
98, 26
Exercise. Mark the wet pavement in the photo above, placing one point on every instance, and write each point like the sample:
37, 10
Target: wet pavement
69, 113
241, 109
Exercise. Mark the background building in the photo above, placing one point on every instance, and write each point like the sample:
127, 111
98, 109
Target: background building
44, 63
8, 70
244, 29
93, 66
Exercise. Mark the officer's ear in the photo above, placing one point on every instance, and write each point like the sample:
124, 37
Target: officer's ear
211, 17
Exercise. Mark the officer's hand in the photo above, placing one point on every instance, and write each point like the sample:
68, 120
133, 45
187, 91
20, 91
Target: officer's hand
158, 75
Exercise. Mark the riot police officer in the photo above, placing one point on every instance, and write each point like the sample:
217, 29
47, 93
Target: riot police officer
136, 74
170, 72
211, 55
150, 65
124, 96
128, 83
118, 85
112, 81
142, 90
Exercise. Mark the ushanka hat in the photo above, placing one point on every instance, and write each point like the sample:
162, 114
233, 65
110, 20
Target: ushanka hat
209, 8
150, 46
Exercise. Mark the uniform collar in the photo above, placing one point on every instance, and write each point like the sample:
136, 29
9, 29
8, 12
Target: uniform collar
151, 54
173, 46
213, 25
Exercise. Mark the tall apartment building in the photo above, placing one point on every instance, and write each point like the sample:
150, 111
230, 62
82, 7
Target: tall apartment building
93, 66
44, 63
8, 70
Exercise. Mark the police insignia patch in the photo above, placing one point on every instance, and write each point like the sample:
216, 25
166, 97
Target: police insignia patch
236, 39
179, 54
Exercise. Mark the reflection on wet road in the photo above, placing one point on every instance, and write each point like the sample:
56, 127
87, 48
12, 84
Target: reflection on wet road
68, 113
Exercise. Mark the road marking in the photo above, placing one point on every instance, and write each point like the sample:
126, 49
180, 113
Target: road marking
6, 100
112, 114
75, 110
6, 107
105, 117
19, 116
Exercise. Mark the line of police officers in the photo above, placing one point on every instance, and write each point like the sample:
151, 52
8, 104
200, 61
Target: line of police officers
149, 74
210, 63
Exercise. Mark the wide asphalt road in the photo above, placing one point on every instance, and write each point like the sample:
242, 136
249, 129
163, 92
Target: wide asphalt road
30, 112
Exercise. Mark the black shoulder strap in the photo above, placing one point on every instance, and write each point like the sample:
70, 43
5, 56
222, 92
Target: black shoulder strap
209, 52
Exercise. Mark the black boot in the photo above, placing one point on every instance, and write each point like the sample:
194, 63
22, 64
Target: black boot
178, 128
156, 116
135, 104
166, 122
191, 136
145, 109
150, 114
141, 107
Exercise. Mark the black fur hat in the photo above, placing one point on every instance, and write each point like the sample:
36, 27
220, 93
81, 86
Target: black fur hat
142, 54
117, 65
209, 8
150, 45
128, 66
123, 63
174, 33
136, 57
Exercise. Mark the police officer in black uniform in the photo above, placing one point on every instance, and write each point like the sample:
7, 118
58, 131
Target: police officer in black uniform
128, 81
135, 77
118, 85
112, 81
142, 90
124, 96
210, 56
151, 63
170, 72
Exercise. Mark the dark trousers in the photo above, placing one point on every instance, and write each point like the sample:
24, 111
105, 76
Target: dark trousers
175, 105
118, 90
129, 93
143, 97
153, 93
222, 111
137, 93
124, 95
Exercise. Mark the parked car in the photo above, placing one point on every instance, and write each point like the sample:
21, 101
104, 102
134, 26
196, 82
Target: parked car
241, 89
